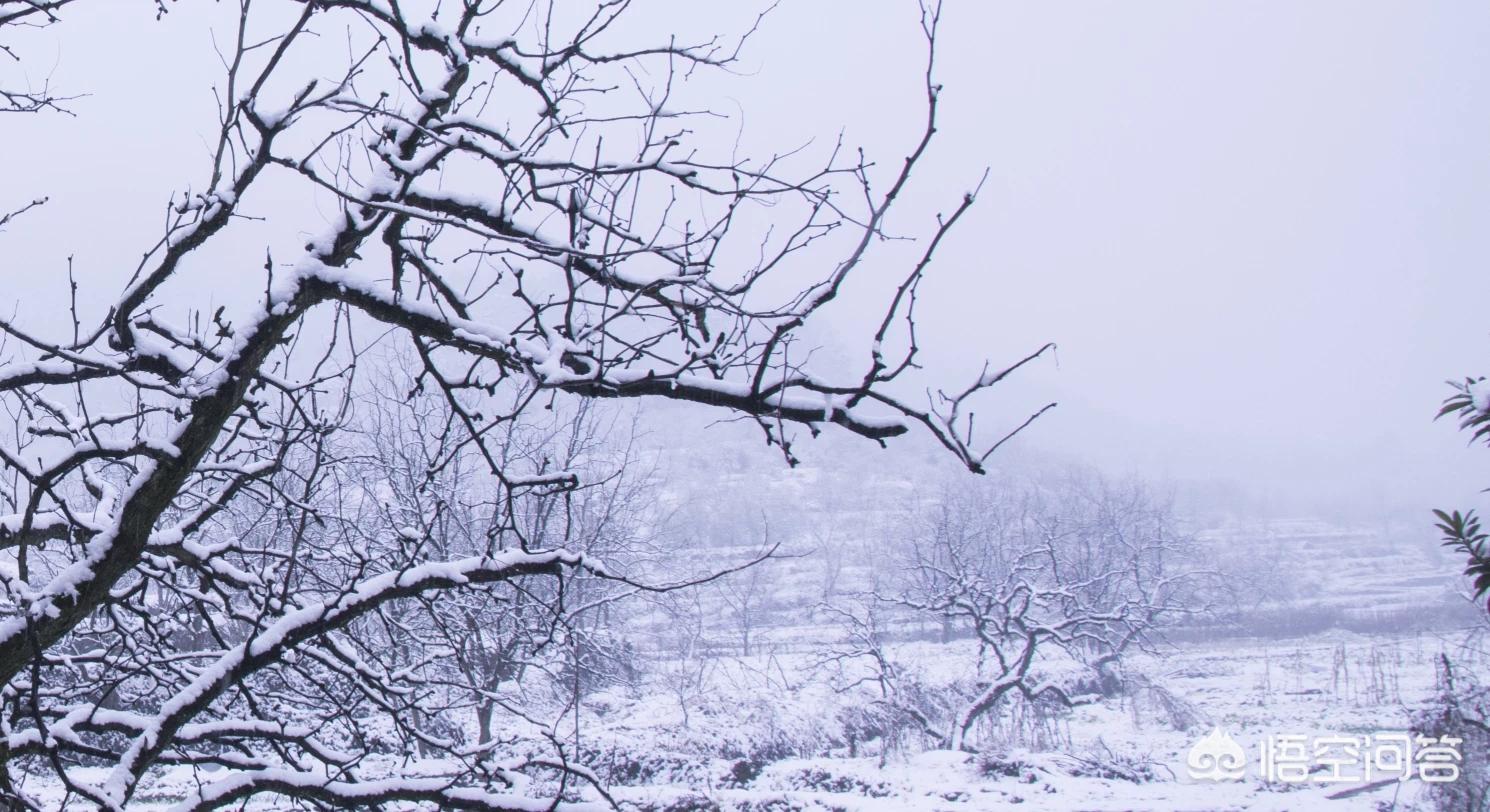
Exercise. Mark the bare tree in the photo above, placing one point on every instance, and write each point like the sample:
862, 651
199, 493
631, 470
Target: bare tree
686, 661
746, 596
898, 702
429, 487
190, 549
1081, 570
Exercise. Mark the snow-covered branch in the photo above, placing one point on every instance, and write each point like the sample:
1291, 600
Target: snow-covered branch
277, 557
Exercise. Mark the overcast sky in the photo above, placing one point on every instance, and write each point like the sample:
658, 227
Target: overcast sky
1255, 229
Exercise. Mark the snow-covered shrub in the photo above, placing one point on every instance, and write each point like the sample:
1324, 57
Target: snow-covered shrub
1461, 710
879, 726
818, 779
598, 660
742, 772
643, 764
689, 802
1037, 723
737, 733
1148, 698
782, 803
1099, 761
1009, 764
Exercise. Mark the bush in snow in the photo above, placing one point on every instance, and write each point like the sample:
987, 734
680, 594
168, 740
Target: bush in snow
1461, 710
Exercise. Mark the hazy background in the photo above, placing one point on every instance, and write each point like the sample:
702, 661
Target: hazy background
1255, 229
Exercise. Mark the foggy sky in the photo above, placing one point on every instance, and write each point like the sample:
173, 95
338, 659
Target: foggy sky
1255, 229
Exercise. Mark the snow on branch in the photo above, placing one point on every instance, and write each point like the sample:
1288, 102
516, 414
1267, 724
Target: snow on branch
290, 563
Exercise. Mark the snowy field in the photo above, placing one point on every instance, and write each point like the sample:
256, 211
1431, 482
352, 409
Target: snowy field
1331, 683
710, 727
756, 691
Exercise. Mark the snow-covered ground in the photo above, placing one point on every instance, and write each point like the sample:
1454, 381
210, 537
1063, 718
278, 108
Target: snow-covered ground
769, 732
1337, 683
1333, 683
1345, 636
